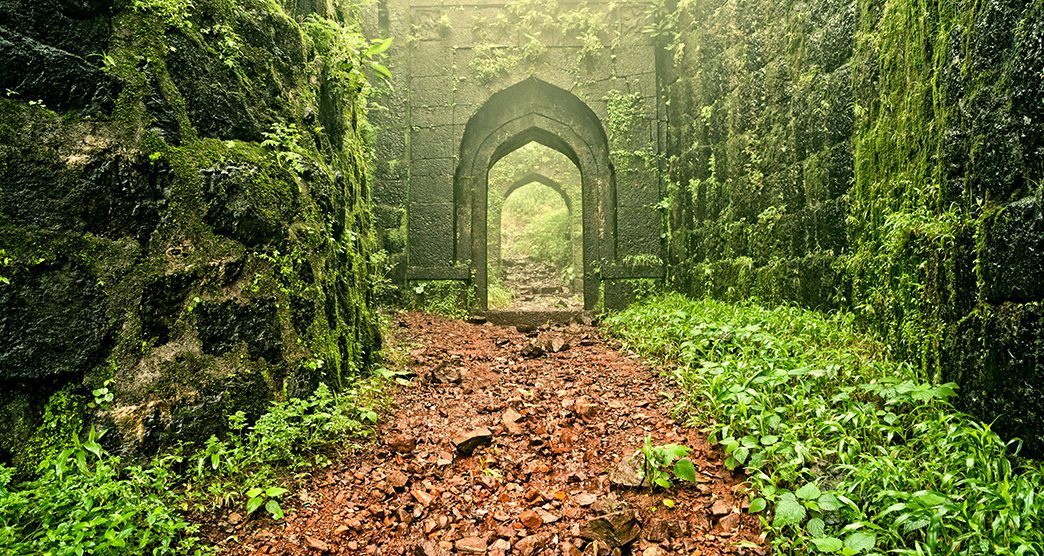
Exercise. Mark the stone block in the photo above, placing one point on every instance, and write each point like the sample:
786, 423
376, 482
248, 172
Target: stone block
432, 91
431, 116
390, 192
433, 167
432, 60
431, 190
430, 240
53, 320
224, 326
434, 142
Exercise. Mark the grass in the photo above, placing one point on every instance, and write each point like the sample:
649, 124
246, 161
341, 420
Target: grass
87, 501
850, 451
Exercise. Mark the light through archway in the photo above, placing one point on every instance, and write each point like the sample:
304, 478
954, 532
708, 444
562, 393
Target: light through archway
535, 230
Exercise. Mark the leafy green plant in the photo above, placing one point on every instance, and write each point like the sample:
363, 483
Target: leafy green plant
5, 262
661, 463
102, 396
226, 42
349, 54
849, 449
85, 500
267, 497
285, 139
175, 13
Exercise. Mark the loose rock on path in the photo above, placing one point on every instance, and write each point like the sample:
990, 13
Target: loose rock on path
492, 452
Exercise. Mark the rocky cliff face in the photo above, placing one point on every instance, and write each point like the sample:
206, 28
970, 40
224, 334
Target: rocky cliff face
880, 156
184, 217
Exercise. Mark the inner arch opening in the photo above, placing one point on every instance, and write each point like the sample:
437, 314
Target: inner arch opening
535, 231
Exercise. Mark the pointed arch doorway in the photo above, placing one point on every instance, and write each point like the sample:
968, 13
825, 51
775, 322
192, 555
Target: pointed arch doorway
534, 111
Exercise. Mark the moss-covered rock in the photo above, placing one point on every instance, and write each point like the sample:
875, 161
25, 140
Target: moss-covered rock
157, 245
881, 156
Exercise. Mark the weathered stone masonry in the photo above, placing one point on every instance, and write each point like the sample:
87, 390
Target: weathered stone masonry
448, 120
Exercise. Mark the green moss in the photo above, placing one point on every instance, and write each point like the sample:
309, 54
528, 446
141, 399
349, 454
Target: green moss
63, 419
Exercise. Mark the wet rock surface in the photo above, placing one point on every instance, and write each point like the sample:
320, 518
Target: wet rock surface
544, 434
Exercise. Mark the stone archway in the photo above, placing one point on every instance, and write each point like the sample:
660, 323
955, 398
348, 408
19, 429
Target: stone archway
534, 111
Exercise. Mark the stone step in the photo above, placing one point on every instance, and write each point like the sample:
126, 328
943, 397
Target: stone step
537, 318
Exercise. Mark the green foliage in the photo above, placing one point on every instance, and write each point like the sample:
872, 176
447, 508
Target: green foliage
5, 262
286, 141
534, 22
86, 501
854, 453
174, 13
536, 224
227, 43
62, 420
624, 110
441, 297
499, 296
293, 436
267, 497
349, 55
659, 463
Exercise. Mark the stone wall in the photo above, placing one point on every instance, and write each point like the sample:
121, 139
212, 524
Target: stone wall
160, 266
882, 156
451, 59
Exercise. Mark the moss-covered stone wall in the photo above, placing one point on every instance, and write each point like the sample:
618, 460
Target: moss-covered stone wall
882, 156
185, 229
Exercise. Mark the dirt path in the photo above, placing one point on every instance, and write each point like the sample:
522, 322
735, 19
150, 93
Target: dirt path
560, 422
539, 287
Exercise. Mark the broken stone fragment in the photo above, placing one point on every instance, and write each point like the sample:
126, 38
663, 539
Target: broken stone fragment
444, 459
628, 472
532, 544
402, 443
530, 519
729, 522
557, 344
429, 548
585, 499
615, 529
397, 479
584, 407
661, 529
532, 350
445, 373
467, 442
317, 545
720, 508
470, 545
511, 419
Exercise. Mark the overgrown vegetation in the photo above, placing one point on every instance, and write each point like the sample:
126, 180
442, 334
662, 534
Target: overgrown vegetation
535, 224
854, 453
441, 297
86, 500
